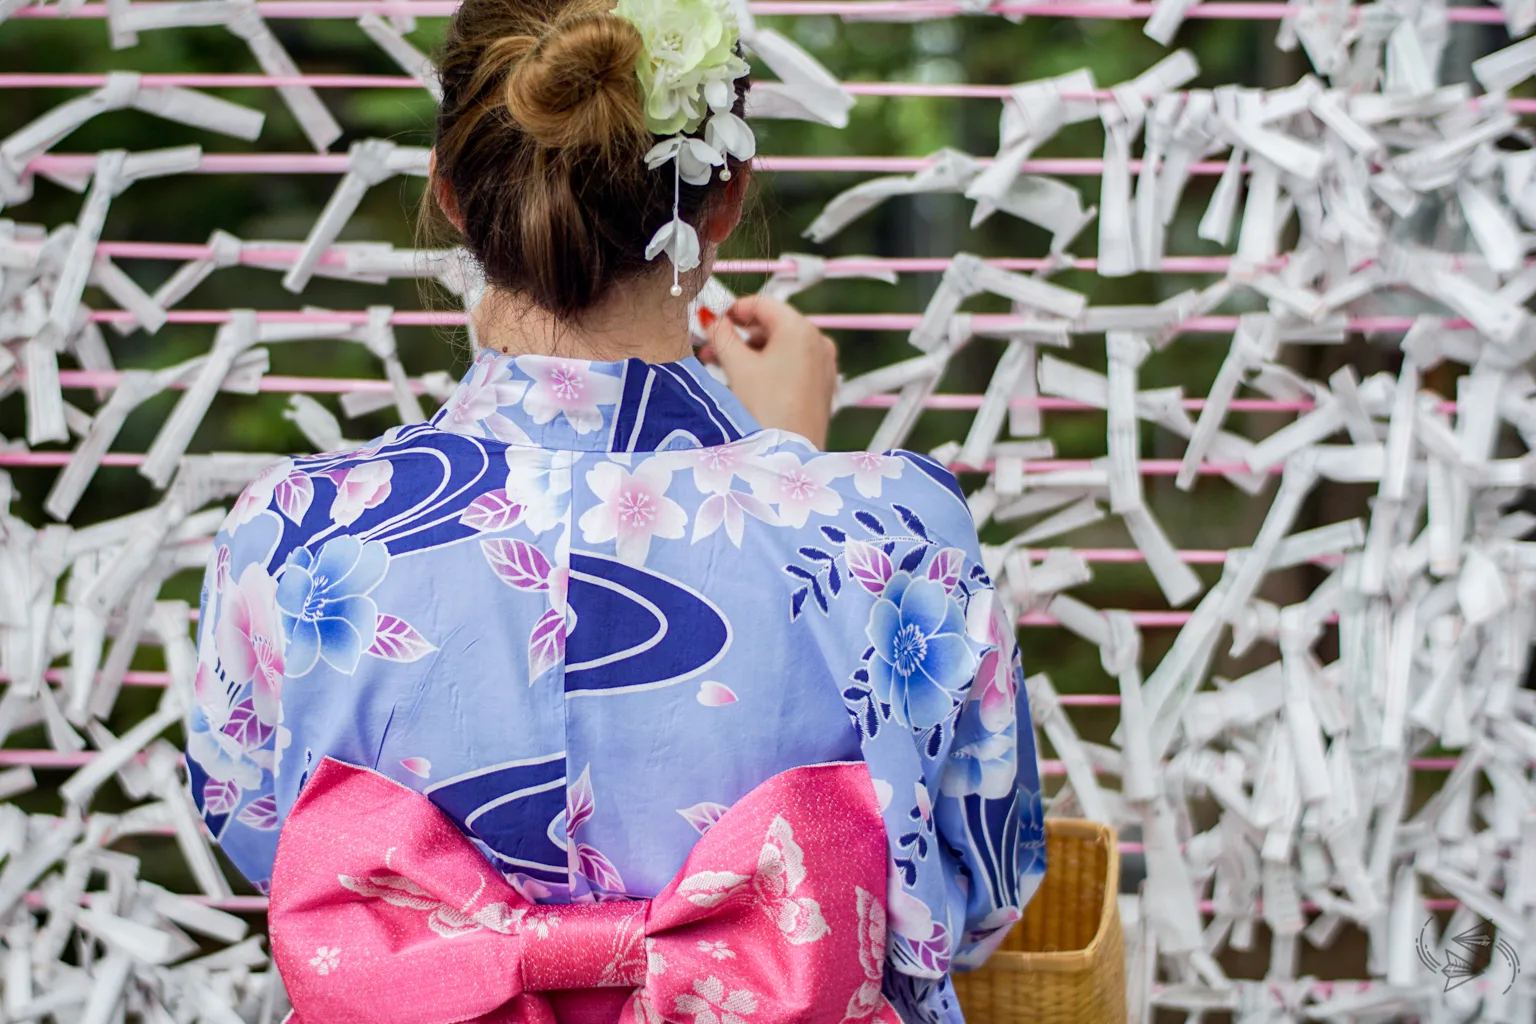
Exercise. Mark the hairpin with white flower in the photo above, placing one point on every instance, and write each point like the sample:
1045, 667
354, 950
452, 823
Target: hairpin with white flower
688, 69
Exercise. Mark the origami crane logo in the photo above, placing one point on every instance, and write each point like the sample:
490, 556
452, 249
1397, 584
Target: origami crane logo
1476, 945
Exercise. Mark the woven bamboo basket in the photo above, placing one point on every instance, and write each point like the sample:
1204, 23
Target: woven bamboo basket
1064, 963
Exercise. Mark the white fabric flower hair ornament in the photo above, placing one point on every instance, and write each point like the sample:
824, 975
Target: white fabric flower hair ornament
688, 69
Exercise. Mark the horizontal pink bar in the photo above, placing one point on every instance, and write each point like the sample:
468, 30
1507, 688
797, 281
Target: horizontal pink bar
965, 402
193, 80
829, 321
866, 10
283, 256
336, 163
343, 385
133, 677
46, 459
233, 904
1155, 619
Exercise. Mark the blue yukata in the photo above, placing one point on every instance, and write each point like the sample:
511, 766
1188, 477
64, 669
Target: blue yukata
586, 608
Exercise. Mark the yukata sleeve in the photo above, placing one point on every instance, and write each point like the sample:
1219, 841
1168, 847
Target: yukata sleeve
234, 739
988, 811
937, 701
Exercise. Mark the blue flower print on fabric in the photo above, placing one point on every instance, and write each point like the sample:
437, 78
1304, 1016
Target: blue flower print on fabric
327, 613
922, 663
635, 606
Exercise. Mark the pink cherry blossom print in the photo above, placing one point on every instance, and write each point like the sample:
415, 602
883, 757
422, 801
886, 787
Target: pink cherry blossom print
713, 695
569, 388
633, 508
249, 638
364, 486
868, 469
258, 494
798, 489
731, 508
418, 766
476, 403
714, 468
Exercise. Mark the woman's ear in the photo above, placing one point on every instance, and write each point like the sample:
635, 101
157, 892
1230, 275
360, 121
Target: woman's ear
727, 213
446, 200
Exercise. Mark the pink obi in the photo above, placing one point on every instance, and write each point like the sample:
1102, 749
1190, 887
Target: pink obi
383, 912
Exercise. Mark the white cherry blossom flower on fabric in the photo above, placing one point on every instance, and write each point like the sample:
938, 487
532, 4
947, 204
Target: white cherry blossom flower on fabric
711, 1003
731, 508
797, 488
540, 481
715, 467
569, 388
364, 486
868, 469
633, 508
717, 949
325, 960
541, 923
476, 402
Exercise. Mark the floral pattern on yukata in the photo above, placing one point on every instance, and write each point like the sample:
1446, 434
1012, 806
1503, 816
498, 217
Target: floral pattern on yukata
586, 596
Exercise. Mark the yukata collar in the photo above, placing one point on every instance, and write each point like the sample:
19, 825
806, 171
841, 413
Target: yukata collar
583, 405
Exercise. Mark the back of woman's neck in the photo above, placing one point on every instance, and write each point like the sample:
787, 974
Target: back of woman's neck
633, 322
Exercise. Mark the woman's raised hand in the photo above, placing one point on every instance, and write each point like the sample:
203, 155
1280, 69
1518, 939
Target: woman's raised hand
785, 372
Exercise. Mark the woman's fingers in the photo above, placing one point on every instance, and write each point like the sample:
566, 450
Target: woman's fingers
785, 372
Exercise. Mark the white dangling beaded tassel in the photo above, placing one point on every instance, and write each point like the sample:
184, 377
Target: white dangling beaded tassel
677, 189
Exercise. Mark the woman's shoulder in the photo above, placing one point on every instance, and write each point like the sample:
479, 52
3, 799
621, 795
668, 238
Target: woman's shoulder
900, 490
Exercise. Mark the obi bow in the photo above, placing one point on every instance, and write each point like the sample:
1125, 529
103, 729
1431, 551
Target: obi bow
383, 912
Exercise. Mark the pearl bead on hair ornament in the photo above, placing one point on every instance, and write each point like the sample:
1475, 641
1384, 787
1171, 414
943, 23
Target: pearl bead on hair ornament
676, 290
725, 174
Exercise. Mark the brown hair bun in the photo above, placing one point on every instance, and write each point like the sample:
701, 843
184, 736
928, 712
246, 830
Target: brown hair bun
577, 87
540, 145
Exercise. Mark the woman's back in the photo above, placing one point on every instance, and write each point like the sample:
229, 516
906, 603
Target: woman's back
590, 606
